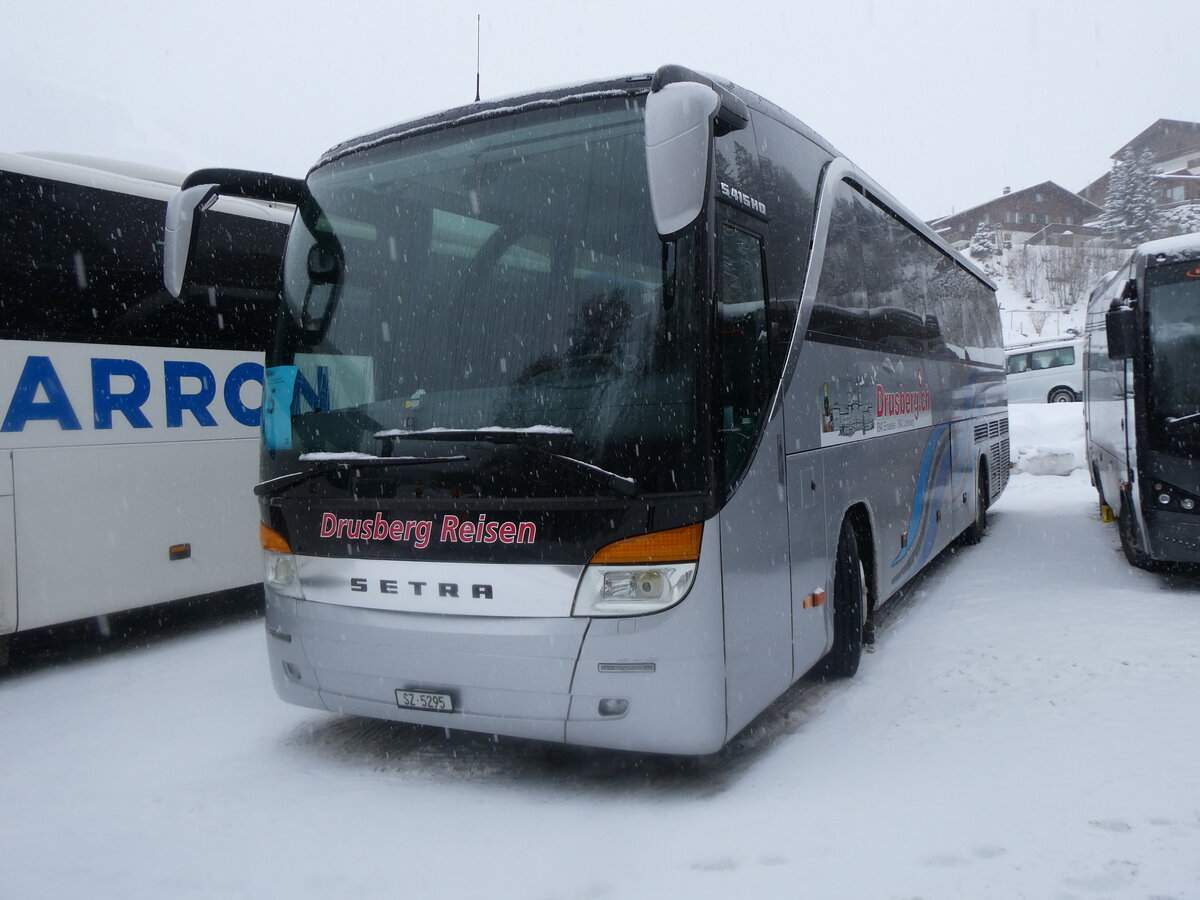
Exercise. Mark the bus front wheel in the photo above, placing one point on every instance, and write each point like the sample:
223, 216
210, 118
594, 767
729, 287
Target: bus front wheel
849, 607
1130, 543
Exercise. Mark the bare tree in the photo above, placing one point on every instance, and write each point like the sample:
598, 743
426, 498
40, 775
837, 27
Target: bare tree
1063, 276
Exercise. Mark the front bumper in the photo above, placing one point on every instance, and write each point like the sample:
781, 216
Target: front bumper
1173, 536
538, 677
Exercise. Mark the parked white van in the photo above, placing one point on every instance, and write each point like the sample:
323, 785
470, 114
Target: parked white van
1045, 372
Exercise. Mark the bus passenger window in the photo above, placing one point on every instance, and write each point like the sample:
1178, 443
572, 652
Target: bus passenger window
741, 338
842, 307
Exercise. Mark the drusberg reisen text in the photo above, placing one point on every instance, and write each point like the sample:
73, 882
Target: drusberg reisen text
419, 532
901, 403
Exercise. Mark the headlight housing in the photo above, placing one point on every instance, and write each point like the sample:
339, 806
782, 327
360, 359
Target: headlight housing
640, 575
1169, 497
279, 565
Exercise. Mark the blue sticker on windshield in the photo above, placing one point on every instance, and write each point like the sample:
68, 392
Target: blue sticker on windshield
277, 407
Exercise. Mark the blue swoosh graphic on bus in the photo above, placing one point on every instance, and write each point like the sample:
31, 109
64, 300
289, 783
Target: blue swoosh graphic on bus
922, 490
942, 472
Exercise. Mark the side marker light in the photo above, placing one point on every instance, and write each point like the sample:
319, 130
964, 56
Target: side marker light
613, 706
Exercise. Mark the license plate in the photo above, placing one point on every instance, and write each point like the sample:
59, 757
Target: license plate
425, 700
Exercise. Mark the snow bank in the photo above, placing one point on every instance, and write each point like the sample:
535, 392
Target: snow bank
1046, 438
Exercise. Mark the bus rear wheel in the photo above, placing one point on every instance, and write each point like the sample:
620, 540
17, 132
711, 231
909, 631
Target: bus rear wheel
977, 529
1062, 395
849, 607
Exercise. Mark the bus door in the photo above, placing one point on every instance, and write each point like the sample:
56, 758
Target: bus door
754, 522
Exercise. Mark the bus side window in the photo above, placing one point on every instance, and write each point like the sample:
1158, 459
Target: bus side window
842, 308
741, 326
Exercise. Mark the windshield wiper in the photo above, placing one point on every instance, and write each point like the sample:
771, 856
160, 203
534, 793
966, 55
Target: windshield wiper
493, 435
524, 439
622, 484
335, 462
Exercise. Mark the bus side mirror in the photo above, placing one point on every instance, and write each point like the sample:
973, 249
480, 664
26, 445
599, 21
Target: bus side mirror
198, 192
1120, 324
684, 111
180, 232
324, 265
679, 134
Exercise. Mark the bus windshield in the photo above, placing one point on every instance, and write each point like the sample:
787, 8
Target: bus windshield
496, 281
1173, 312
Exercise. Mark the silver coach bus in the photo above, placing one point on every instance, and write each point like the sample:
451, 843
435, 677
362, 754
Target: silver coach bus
1141, 402
624, 406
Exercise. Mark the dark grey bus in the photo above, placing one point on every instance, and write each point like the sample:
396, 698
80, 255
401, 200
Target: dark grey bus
602, 414
1142, 401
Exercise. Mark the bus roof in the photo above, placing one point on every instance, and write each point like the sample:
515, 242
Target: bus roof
1172, 249
123, 177
625, 86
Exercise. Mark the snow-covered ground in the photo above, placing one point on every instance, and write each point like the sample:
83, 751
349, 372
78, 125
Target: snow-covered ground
1028, 726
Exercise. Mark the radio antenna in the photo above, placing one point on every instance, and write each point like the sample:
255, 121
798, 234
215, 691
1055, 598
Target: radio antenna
476, 57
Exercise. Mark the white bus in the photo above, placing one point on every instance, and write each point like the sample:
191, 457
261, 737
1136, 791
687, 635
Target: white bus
1142, 401
625, 405
128, 419
1049, 371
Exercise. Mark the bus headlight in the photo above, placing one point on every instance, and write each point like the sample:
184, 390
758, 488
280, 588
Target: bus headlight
279, 565
616, 591
1169, 497
640, 575
280, 575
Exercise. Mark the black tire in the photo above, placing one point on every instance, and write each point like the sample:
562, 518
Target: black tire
977, 529
849, 608
1062, 395
1130, 543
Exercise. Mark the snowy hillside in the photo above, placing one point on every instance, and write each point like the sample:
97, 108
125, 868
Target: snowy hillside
1026, 727
1043, 290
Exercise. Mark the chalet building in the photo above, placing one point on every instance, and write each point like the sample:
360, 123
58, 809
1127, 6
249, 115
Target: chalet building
1046, 213
1175, 149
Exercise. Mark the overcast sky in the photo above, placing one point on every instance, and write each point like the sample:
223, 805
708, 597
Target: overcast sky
943, 103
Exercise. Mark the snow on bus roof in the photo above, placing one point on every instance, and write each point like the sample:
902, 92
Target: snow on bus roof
464, 114
1183, 246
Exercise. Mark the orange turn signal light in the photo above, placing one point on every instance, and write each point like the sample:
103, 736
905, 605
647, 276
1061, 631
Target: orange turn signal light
272, 539
672, 545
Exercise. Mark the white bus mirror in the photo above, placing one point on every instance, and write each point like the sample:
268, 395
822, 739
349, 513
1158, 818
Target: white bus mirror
180, 231
679, 133
197, 193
